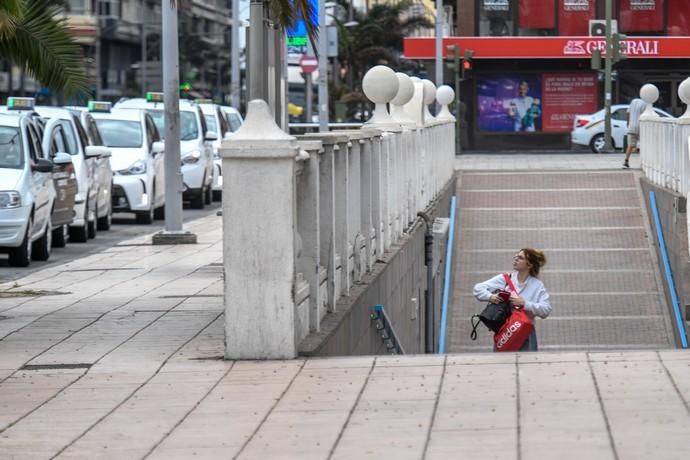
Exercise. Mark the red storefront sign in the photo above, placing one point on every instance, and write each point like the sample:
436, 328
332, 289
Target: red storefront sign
641, 15
564, 95
537, 14
547, 47
574, 16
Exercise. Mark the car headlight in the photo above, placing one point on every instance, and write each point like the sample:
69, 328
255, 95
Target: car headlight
138, 167
191, 157
10, 199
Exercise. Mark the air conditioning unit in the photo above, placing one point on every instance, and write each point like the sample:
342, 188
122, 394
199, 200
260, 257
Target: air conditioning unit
597, 27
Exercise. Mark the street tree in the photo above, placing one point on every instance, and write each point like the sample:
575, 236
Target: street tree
35, 36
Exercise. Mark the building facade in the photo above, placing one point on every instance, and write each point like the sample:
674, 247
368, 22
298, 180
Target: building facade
531, 71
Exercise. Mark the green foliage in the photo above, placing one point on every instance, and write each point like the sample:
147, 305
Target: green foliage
33, 35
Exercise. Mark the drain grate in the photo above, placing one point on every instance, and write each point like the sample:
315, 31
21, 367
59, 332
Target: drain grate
29, 293
132, 245
41, 367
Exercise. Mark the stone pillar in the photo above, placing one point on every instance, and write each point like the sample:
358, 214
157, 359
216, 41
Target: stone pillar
259, 224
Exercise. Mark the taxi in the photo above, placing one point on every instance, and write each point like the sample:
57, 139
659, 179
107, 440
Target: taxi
217, 122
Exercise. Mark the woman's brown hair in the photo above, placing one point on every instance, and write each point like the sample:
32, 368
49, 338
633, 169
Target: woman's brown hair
535, 259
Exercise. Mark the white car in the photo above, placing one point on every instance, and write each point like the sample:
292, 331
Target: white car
103, 171
27, 193
91, 202
217, 121
196, 150
588, 130
139, 180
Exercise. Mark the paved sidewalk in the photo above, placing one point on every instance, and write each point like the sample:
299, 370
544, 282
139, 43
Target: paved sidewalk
119, 357
543, 161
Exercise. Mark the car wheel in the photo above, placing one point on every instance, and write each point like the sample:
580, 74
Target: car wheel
597, 143
197, 201
106, 221
21, 256
145, 217
60, 236
217, 195
41, 248
208, 195
80, 234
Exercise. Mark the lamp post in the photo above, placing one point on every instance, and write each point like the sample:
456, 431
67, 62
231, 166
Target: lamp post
235, 55
439, 42
323, 70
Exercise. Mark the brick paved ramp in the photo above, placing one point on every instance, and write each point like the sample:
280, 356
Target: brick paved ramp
601, 271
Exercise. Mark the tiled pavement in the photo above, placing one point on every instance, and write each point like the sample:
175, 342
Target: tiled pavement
121, 361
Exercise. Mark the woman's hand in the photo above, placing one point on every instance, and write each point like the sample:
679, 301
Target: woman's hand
494, 298
517, 302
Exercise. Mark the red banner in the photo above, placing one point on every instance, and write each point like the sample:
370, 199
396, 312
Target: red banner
537, 14
678, 18
547, 47
574, 16
641, 15
565, 95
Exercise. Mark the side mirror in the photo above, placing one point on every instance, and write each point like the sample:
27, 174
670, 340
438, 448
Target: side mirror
43, 166
228, 135
107, 153
211, 136
157, 147
92, 151
62, 158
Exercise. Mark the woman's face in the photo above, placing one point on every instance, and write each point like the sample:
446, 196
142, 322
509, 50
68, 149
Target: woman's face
520, 262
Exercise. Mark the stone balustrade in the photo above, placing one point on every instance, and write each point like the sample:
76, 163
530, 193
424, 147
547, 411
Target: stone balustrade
664, 143
306, 218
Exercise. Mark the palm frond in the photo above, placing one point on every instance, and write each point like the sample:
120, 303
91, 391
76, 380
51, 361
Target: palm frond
286, 12
11, 11
44, 44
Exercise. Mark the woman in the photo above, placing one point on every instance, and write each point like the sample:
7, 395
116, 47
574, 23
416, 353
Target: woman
532, 295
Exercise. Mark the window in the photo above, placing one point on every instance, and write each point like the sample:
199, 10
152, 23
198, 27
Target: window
35, 149
11, 155
120, 133
81, 132
496, 18
211, 122
77, 7
94, 135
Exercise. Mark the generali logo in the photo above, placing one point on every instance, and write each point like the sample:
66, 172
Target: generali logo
632, 47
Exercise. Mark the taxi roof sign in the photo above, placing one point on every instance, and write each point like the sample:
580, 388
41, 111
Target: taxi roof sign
203, 101
20, 103
100, 106
154, 97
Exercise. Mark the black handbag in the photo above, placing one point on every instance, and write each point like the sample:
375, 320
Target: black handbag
493, 316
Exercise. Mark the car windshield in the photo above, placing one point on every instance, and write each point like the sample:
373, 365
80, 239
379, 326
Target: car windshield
10, 148
71, 137
211, 122
235, 121
120, 133
189, 129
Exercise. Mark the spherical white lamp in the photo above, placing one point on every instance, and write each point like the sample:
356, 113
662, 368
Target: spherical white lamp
649, 93
444, 96
380, 85
405, 94
429, 98
684, 95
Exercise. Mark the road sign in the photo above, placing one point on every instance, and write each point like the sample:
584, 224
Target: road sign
308, 63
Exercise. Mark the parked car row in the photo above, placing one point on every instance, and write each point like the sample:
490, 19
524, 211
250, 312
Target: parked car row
65, 170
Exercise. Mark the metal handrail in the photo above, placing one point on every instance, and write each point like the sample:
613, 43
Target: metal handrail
386, 331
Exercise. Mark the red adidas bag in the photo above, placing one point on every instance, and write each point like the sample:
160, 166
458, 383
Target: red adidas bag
517, 328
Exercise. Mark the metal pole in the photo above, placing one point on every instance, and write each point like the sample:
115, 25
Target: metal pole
308, 91
607, 79
98, 60
323, 70
257, 63
144, 58
235, 56
438, 63
171, 88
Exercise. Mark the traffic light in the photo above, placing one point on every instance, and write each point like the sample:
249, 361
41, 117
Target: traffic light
467, 64
620, 47
186, 86
596, 59
455, 56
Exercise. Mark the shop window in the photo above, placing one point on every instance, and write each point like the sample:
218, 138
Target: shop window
678, 17
641, 15
76, 7
496, 18
574, 16
537, 17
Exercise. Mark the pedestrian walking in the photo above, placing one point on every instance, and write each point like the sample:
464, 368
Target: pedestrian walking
531, 293
635, 109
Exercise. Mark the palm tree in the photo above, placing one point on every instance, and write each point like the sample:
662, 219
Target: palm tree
34, 36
